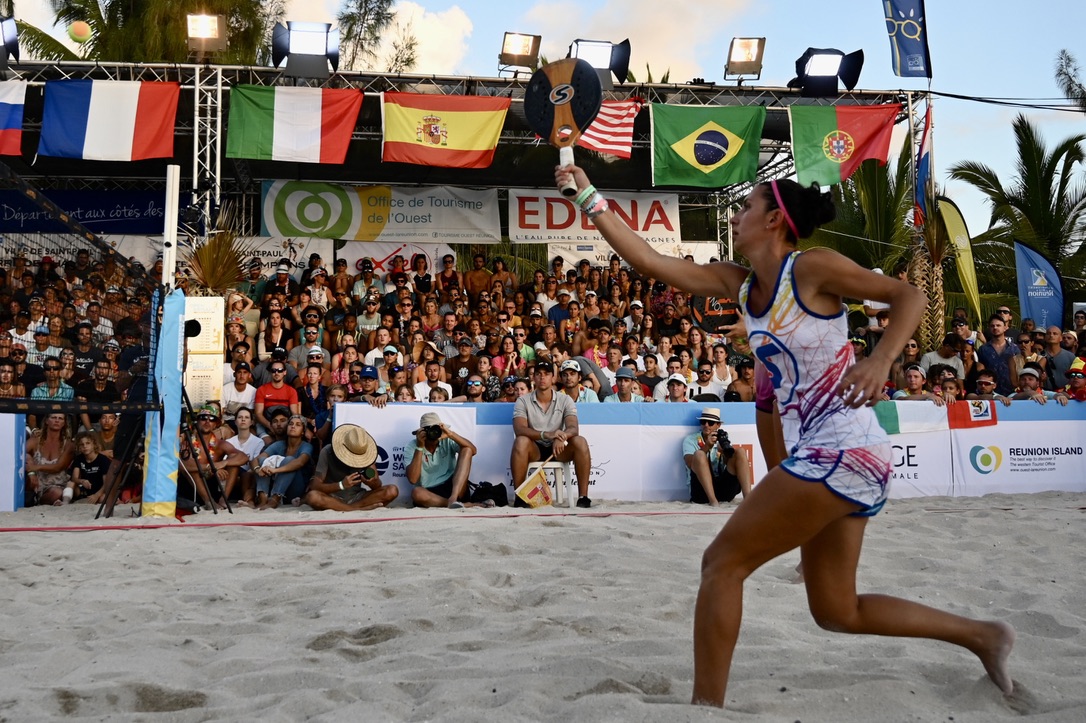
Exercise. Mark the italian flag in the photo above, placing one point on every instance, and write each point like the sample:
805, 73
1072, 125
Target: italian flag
911, 417
830, 142
305, 125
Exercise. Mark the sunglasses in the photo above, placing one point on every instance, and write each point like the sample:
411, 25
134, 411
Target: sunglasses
1025, 341
279, 371
475, 384
1076, 375
18, 352
981, 383
707, 423
205, 418
52, 369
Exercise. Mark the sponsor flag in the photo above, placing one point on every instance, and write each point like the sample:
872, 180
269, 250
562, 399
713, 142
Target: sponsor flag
907, 26
963, 248
923, 173
451, 131
12, 97
830, 142
305, 125
705, 146
612, 131
1040, 289
108, 120
910, 417
970, 413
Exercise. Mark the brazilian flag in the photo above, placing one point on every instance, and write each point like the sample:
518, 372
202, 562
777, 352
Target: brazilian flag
705, 146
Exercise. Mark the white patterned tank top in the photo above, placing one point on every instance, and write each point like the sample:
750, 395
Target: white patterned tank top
806, 355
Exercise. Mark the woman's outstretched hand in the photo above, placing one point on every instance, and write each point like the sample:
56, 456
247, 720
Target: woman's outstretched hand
563, 174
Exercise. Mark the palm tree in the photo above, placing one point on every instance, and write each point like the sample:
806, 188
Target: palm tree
361, 23
150, 32
1042, 206
1067, 74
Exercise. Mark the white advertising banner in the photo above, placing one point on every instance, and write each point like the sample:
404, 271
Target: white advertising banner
599, 254
379, 213
1016, 456
382, 254
542, 216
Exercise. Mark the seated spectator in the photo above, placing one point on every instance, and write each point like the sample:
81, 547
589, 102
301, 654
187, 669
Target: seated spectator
89, 471
545, 425
346, 476
1029, 386
570, 374
718, 470
251, 445
744, 382
432, 380
438, 464
947, 354
704, 382
53, 389
986, 388
369, 388
282, 469
222, 466
916, 387
626, 385
474, 392
1076, 381
49, 455
676, 389
952, 390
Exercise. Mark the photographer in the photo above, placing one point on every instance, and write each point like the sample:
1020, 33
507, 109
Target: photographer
718, 471
346, 476
438, 464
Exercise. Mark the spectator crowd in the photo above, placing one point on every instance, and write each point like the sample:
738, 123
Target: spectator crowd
301, 340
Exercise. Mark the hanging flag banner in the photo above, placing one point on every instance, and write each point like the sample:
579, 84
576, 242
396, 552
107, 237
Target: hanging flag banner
963, 248
451, 131
906, 24
12, 97
161, 444
612, 131
705, 146
923, 174
1040, 290
545, 216
108, 120
379, 213
307, 125
830, 142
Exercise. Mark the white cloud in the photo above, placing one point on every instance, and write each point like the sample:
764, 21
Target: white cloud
666, 36
442, 37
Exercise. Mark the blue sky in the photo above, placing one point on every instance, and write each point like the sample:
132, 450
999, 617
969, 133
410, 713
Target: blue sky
973, 48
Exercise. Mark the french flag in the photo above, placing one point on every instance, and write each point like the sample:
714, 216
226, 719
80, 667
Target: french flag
108, 120
923, 174
12, 98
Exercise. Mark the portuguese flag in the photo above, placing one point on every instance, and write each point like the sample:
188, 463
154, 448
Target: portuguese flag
830, 142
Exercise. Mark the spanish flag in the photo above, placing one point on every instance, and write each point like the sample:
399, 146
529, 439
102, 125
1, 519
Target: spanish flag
441, 130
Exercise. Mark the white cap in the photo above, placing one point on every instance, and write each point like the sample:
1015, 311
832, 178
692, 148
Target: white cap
677, 378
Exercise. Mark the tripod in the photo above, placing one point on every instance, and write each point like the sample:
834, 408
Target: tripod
133, 439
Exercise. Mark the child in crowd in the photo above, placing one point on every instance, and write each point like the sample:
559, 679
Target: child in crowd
88, 472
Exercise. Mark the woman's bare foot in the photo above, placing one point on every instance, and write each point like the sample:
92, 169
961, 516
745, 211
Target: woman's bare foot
995, 652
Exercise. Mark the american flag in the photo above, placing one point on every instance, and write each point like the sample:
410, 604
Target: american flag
612, 131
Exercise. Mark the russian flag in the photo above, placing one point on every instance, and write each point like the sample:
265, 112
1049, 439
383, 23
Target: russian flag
923, 174
12, 97
108, 120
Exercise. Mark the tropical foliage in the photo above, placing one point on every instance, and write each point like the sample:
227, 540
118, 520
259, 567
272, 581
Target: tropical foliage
1067, 78
1043, 205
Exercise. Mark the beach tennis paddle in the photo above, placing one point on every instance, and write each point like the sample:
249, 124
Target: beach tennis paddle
560, 102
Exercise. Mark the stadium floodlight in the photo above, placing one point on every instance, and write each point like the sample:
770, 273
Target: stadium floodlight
606, 57
519, 51
818, 70
744, 59
305, 50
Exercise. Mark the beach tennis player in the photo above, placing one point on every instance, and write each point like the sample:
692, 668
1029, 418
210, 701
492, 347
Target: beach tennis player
836, 475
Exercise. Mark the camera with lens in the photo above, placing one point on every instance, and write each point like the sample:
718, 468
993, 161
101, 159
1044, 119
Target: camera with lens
433, 432
726, 448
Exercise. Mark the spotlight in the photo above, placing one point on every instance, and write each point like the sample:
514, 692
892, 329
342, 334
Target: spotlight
606, 57
207, 33
519, 50
306, 49
744, 59
818, 69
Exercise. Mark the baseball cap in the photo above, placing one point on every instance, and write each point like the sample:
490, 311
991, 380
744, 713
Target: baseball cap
235, 320
535, 312
208, 411
242, 366
677, 378
564, 292
256, 264
540, 346
390, 349
1029, 370
637, 303
85, 324
369, 373
590, 292
625, 373
282, 269
319, 272
315, 349
42, 330
544, 366
569, 364
465, 341
367, 265
112, 344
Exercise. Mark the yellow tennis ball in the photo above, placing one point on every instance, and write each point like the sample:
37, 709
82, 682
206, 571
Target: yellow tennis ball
79, 31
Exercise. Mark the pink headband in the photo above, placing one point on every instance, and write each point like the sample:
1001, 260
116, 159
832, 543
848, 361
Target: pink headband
780, 205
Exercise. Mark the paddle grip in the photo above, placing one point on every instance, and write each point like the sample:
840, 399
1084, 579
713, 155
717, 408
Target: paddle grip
565, 158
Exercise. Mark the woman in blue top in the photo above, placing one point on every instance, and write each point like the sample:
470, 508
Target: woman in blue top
835, 477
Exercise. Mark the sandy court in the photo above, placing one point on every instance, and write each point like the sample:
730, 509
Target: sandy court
497, 615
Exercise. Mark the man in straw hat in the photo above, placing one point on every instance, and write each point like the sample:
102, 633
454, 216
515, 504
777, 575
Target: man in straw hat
346, 478
718, 470
438, 464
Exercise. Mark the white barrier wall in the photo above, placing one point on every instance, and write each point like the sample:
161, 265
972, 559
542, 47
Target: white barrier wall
636, 449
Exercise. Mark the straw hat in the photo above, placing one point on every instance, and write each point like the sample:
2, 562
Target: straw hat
353, 446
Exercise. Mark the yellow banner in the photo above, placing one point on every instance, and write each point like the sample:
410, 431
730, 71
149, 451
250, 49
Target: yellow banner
963, 245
